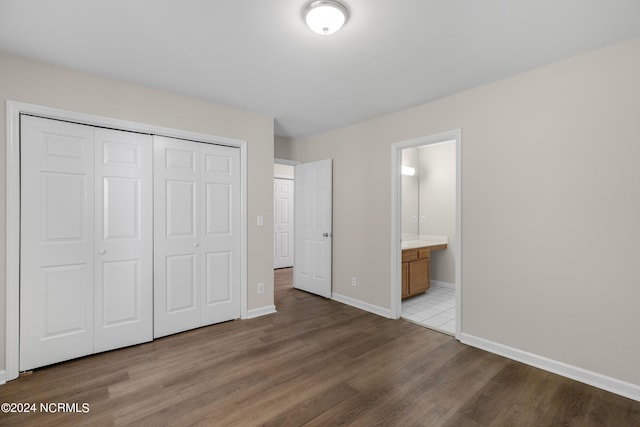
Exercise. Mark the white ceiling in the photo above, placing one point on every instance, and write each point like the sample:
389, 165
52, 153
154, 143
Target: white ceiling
259, 55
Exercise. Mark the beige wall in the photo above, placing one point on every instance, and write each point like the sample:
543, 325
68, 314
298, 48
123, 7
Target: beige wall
550, 207
283, 171
37, 83
437, 175
282, 148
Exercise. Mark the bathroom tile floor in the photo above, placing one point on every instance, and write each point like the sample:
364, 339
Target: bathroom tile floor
435, 309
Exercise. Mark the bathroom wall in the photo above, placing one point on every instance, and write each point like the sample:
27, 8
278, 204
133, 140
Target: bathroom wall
437, 204
410, 194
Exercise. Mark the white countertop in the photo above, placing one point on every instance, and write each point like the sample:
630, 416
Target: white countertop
413, 242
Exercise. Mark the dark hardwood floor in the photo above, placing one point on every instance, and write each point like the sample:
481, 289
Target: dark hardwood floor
316, 362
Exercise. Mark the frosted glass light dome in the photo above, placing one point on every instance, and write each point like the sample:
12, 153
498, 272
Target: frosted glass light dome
325, 16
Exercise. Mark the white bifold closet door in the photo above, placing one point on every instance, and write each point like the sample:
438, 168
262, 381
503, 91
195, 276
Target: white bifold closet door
196, 234
86, 240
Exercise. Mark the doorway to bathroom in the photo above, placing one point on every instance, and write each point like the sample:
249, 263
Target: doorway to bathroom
426, 231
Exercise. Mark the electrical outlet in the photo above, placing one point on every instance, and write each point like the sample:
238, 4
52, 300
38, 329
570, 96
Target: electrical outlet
260, 288
423, 218
414, 218
353, 281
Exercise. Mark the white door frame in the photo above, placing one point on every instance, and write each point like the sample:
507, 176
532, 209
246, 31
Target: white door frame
396, 225
12, 272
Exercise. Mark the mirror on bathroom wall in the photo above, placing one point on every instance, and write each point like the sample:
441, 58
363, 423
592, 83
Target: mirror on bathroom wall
410, 194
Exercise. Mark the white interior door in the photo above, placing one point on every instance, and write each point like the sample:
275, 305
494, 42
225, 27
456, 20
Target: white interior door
283, 222
56, 247
220, 238
86, 242
176, 218
196, 236
123, 300
313, 227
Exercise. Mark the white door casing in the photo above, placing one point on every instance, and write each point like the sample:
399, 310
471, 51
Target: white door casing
396, 226
283, 222
313, 227
86, 255
196, 236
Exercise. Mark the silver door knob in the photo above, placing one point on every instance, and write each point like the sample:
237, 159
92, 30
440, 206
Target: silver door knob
325, 234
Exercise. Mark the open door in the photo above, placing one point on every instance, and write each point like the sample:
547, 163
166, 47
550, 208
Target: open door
313, 228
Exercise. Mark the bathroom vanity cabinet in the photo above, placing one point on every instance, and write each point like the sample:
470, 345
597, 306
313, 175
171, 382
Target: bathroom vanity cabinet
415, 269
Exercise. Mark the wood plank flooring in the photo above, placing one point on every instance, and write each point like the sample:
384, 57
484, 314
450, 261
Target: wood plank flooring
316, 362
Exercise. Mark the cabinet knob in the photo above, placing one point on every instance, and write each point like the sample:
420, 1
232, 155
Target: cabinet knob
195, 245
102, 252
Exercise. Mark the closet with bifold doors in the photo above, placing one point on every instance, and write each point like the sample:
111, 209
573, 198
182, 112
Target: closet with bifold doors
124, 236
197, 244
86, 249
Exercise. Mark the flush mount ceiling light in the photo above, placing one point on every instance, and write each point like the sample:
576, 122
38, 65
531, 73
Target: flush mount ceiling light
325, 16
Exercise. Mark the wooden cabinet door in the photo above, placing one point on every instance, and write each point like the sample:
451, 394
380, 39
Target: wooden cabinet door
405, 279
418, 276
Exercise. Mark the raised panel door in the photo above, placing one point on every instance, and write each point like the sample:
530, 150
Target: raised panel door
283, 223
220, 240
313, 227
177, 217
57, 242
123, 301
197, 234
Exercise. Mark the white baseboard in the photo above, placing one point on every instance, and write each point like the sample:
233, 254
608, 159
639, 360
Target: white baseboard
380, 311
262, 311
442, 284
623, 388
